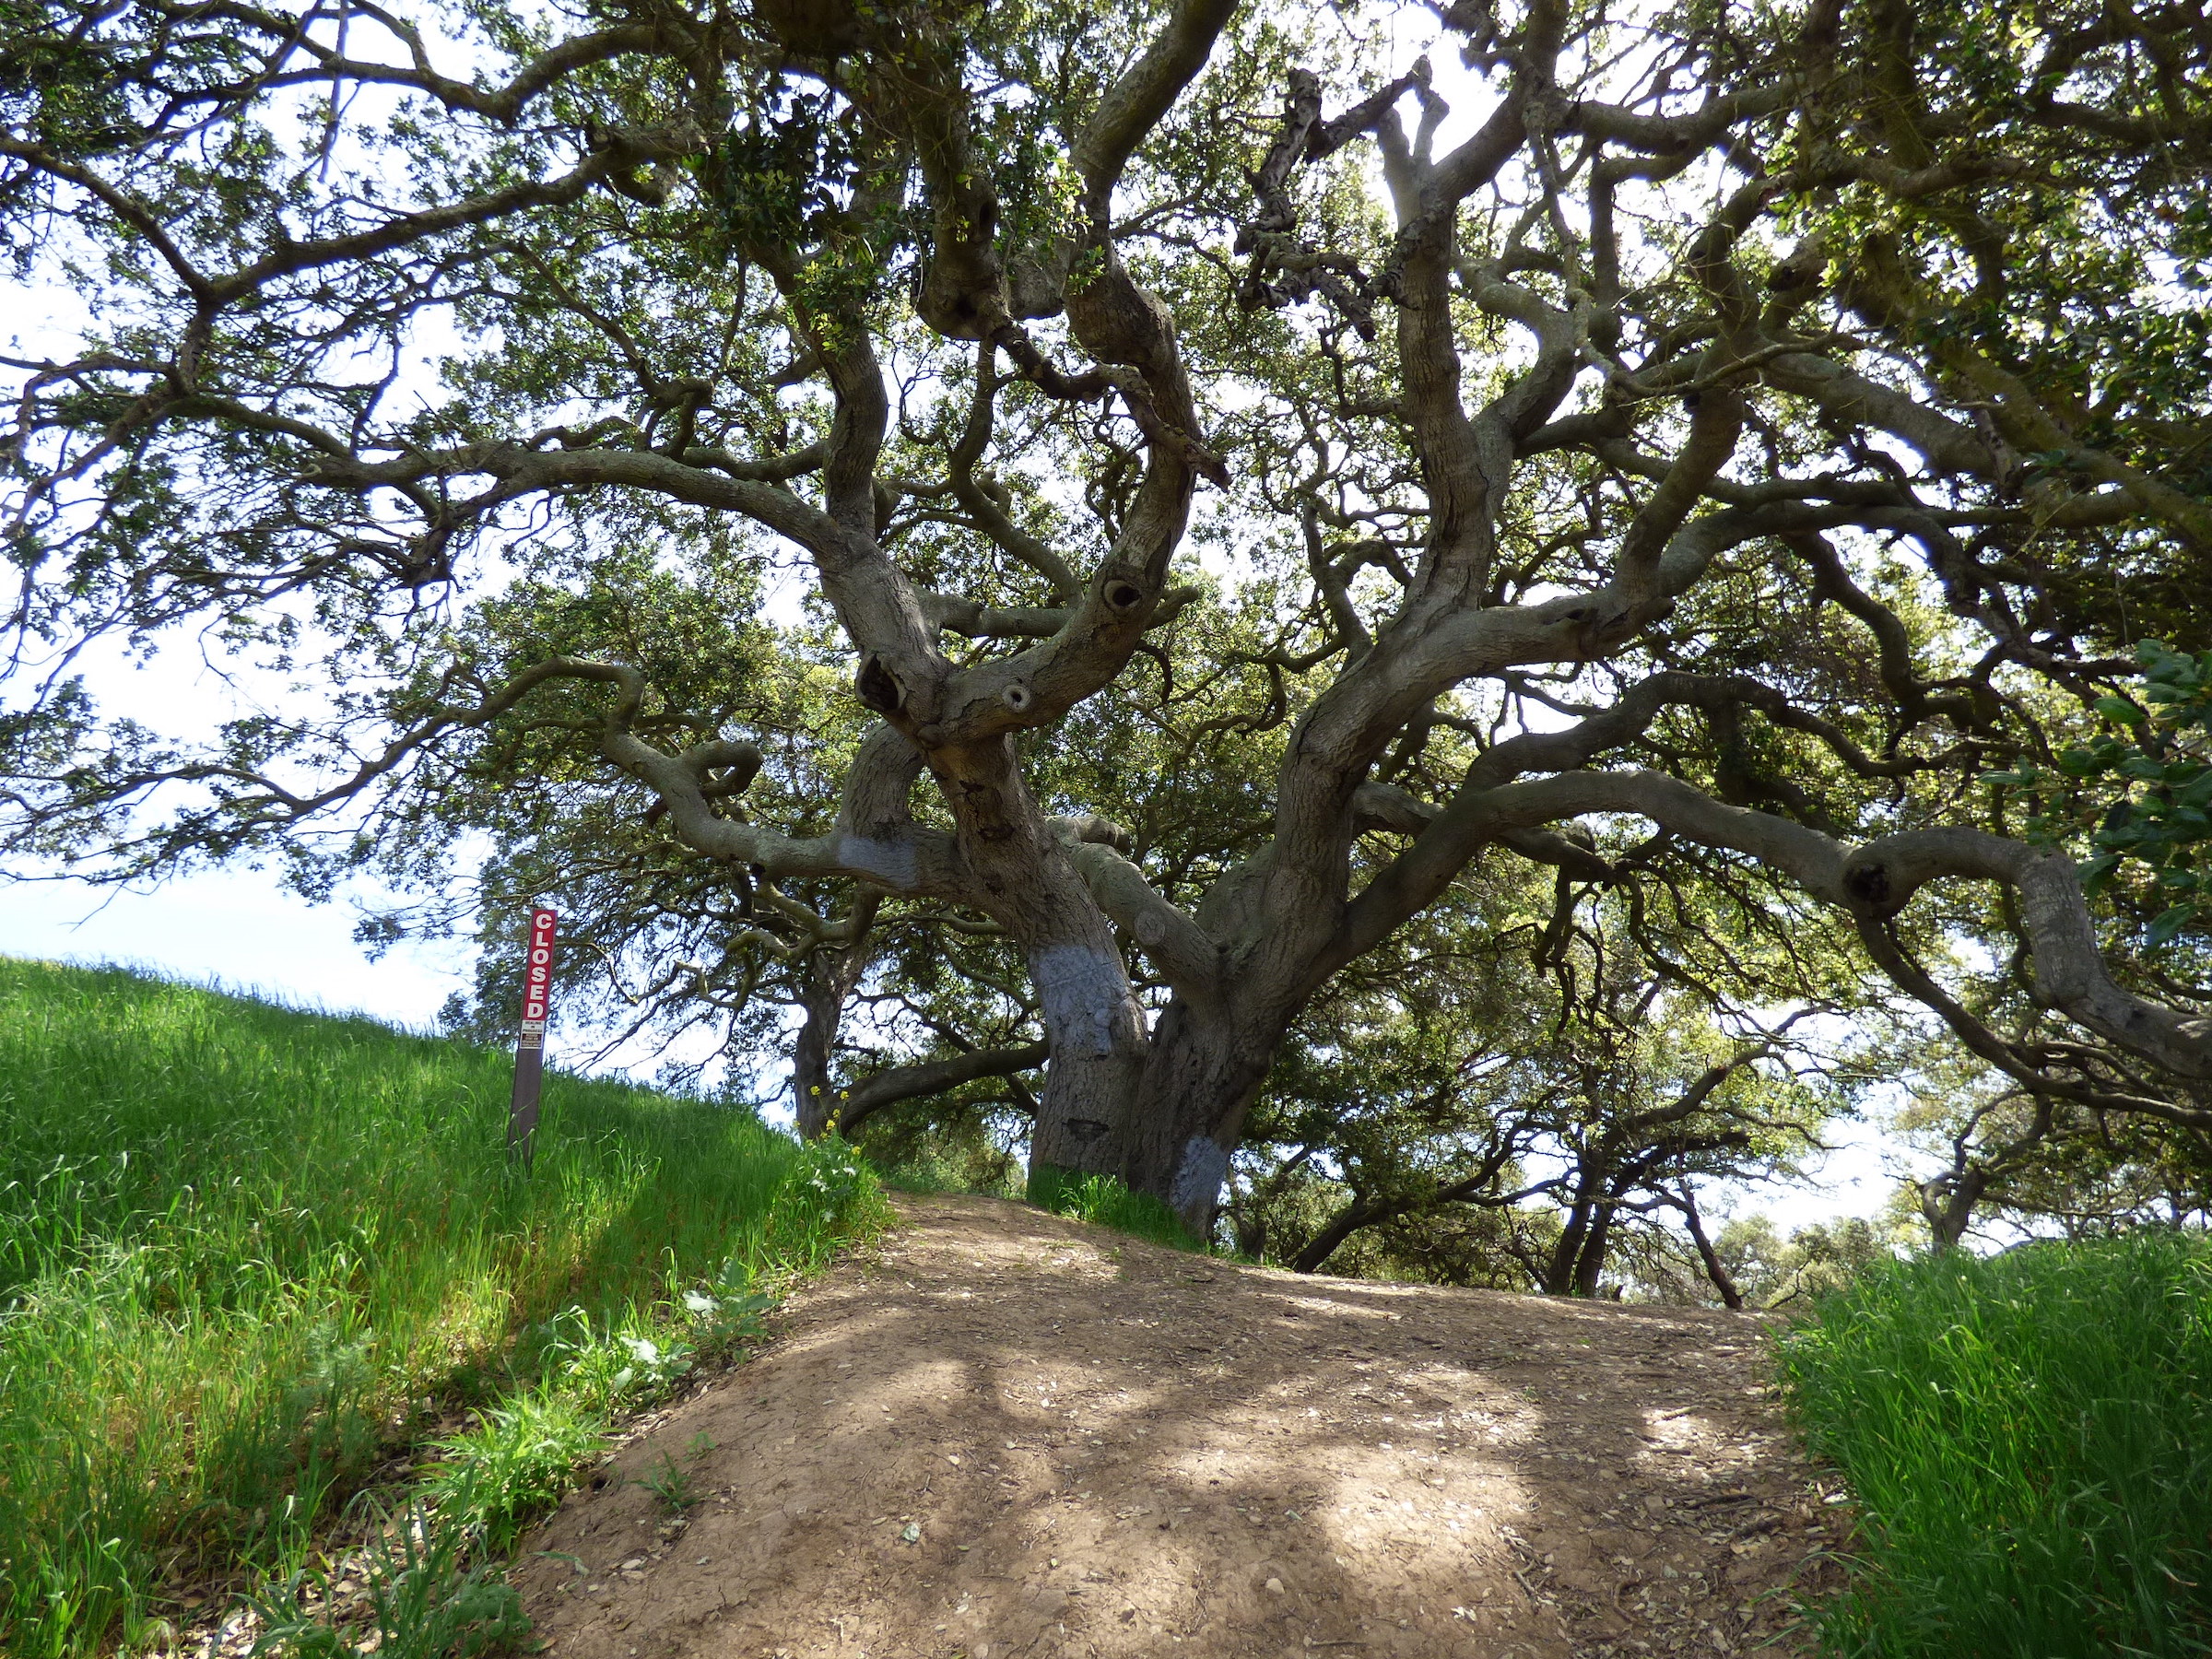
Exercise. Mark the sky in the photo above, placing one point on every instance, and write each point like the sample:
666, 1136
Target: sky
237, 929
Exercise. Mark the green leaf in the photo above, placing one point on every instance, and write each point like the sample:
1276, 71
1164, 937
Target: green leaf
2167, 924
2121, 710
2094, 871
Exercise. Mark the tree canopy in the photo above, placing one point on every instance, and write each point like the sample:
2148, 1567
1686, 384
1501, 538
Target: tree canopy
1206, 577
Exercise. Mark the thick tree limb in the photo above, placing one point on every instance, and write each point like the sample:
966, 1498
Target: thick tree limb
897, 1083
1876, 878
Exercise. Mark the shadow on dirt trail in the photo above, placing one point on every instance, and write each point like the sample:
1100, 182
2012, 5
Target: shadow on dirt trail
1006, 1434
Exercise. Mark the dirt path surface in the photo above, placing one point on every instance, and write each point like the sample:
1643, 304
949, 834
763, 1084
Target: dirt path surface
1000, 1433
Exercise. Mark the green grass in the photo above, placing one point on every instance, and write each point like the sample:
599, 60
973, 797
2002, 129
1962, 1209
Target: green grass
1102, 1200
243, 1249
2029, 1441
428, 1596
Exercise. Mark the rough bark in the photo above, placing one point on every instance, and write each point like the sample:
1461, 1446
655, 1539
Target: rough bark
1188, 1106
1946, 1203
1732, 1298
829, 979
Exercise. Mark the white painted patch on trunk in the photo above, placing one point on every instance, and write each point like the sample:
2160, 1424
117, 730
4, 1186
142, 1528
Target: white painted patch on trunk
1198, 1182
1082, 990
893, 861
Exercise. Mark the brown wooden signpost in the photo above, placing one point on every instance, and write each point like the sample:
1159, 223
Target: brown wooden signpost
530, 1047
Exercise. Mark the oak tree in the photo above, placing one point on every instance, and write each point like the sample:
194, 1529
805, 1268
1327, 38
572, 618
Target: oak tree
1687, 447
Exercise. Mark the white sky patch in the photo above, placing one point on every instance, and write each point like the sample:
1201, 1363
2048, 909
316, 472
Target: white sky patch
1855, 1177
239, 930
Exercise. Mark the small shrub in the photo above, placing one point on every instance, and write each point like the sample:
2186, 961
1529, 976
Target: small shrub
671, 1483
1102, 1200
423, 1599
514, 1463
727, 1315
830, 1195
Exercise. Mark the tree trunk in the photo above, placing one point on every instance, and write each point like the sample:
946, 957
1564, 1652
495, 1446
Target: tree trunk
1715, 1269
1188, 1113
1558, 1273
1590, 1265
1946, 1203
1095, 1034
1250, 1230
1092, 1024
815, 1103
830, 977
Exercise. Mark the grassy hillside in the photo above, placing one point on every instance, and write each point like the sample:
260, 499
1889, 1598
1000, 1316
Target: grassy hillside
2030, 1439
243, 1248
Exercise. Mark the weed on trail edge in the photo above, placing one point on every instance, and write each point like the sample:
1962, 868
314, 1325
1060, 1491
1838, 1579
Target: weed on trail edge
248, 1253
2029, 1441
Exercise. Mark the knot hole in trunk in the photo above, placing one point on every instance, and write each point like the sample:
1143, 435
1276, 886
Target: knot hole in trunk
877, 687
1867, 884
1122, 596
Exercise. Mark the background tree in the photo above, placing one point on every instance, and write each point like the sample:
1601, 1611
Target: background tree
1520, 1095
1752, 427
1771, 1271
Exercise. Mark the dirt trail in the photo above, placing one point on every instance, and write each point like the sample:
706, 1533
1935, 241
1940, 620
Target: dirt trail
1001, 1434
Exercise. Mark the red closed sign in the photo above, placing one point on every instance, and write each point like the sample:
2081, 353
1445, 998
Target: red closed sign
537, 973
530, 1047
